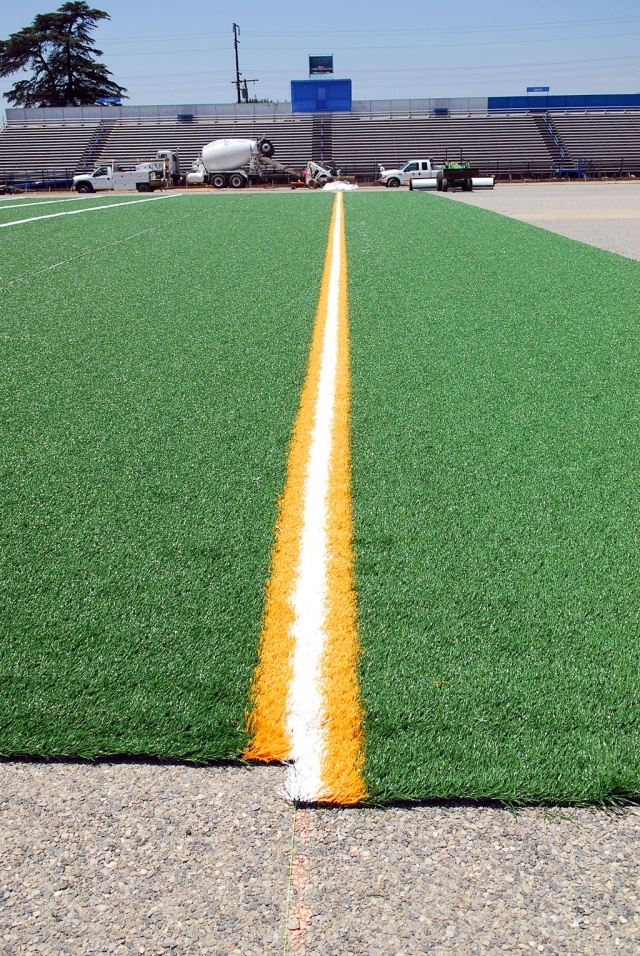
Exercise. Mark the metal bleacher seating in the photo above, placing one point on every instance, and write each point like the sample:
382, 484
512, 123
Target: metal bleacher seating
129, 141
505, 144
497, 143
609, 141
44, 152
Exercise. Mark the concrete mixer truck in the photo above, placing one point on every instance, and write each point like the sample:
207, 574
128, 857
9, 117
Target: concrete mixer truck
235, 163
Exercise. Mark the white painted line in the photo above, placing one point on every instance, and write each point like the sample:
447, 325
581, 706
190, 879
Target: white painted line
79, 212
309, 597
49, 202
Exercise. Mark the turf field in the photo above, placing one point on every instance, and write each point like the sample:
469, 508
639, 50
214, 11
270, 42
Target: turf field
153, 362
496, 475
148, 391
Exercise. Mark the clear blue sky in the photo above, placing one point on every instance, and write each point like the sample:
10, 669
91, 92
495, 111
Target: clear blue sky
177, 53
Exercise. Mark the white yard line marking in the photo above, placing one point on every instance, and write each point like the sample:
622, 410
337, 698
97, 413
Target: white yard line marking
50, 202
79, 212
305, 704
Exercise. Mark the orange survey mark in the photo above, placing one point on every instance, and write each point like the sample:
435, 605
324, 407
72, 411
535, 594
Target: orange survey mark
305, 707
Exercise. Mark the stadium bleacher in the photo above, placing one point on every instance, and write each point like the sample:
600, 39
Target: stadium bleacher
131, 141
375, 133
45, 150
504, 145
610, 141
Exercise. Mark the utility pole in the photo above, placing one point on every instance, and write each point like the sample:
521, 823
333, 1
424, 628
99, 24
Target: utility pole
239, 83
236, 34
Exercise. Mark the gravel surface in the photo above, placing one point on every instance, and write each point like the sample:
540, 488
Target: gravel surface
125, 858
465, 880
606, 215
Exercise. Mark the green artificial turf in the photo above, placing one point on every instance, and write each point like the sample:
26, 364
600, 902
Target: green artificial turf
31, 246
147, 396
496, 469
25, 209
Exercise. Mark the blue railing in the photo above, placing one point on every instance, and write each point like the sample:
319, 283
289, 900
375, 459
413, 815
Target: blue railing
38, 179
584, 169
556, 141
92, 147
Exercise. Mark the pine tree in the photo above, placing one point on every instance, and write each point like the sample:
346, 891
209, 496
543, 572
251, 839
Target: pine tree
58, 49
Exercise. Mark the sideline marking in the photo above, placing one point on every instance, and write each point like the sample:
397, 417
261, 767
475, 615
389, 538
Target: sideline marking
79, 212
50, 202
305, 693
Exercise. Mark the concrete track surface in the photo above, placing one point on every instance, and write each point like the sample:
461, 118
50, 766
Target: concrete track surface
601, 214
144, 858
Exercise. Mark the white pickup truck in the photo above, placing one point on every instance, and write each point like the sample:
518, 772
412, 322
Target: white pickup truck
145, 177
160, 173
414, 169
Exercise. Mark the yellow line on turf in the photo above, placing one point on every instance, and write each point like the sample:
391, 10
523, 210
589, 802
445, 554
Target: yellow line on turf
305, 706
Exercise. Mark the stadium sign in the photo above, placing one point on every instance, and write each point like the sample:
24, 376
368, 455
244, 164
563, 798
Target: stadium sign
320, 64
538, 89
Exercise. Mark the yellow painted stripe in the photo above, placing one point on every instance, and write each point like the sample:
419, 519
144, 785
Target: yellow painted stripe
342, 728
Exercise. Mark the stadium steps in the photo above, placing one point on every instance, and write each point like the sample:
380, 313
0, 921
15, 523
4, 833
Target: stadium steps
44, 149
322, 138
610, 141
500, 144
552, 138
94, 149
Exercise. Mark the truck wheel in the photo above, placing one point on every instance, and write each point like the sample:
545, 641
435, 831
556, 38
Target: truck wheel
266, 147
219, 181
84, 188
469, 185
143, 188
237, 181
393, 183
445, 184
439, 175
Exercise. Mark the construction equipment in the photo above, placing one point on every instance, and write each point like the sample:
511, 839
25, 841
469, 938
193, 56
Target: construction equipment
235, 163
456, 176
161, 173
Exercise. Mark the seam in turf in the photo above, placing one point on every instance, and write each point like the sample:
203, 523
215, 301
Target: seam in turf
269, 721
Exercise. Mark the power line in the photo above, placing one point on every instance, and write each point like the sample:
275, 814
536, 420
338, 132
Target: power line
497, 28
282, 74
404, 46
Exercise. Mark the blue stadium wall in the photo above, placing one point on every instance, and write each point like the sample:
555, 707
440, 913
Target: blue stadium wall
538, 104
321, 96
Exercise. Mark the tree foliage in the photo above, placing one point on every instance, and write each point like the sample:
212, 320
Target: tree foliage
58, 50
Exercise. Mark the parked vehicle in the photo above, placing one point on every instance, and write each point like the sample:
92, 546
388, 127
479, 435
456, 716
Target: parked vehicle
457, 176
161, 173
414, 169
235, 163
422, 174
